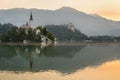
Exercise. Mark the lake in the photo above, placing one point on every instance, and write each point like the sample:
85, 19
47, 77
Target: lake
63, 61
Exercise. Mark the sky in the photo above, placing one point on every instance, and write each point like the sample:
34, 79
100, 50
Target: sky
107, 8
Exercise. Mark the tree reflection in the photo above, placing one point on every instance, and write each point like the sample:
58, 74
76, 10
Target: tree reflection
28, 54
62, 58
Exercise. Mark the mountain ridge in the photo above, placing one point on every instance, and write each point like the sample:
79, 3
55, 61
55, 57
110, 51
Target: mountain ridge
90, 25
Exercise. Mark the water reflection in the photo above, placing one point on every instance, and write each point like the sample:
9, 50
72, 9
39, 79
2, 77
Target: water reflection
106, 71
62, 58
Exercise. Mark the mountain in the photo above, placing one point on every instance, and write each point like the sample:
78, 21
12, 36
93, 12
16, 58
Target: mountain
91, 25
66, 32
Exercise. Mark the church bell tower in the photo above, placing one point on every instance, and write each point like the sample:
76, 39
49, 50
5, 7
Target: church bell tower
31, 21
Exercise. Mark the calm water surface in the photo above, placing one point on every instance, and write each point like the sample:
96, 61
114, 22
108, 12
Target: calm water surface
60, 62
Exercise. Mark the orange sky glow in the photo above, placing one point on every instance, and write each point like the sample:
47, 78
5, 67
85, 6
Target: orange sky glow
107, 8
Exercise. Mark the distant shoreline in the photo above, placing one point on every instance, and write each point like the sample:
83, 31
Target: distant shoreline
58, 43
85, 43
19, 43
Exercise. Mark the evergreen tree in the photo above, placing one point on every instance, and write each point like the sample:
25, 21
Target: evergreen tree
22, 34
44, 31
50, 36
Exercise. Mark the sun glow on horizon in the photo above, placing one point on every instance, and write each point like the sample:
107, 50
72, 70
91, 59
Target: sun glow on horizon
106, 8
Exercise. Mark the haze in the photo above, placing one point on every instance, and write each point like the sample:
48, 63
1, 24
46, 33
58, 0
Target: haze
107, 8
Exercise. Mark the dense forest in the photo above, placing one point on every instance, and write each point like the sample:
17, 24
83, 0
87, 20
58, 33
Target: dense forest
11, 33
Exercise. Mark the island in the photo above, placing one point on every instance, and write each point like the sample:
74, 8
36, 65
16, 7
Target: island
26, 33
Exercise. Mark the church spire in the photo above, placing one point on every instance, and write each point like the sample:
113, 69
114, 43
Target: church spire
31, 17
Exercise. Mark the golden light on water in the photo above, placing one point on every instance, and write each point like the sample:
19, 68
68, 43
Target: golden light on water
106, 71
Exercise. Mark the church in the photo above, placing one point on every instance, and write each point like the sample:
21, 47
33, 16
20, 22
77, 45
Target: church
30, 24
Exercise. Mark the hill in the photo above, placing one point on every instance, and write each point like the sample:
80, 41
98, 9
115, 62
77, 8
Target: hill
66, 32
5, 27
91, 25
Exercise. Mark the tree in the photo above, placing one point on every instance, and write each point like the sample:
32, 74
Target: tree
4, 28
39, 27
44, 31
50, 36
38, 38
13, 33
5, 37
22, 34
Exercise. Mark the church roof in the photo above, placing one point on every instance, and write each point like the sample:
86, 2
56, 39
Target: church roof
31, 17
26, 26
